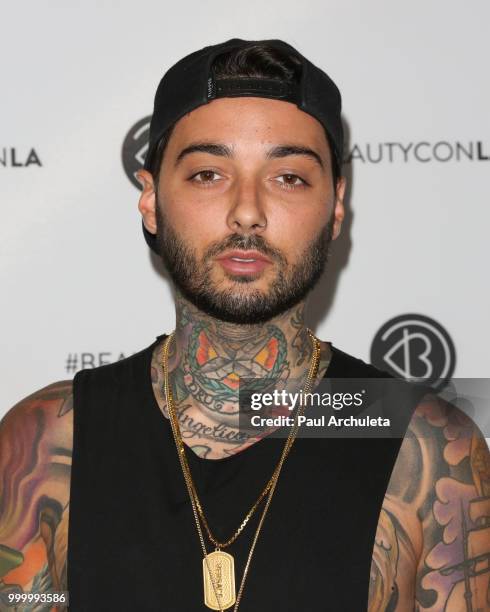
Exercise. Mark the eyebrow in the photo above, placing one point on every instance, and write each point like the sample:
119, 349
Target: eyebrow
222, 150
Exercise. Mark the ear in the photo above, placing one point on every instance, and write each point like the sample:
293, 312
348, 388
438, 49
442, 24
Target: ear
339, 210
147, 201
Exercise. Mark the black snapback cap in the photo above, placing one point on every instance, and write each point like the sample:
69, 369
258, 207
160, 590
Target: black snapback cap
190, 83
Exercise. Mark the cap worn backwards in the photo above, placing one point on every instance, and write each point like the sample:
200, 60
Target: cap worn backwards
190, 83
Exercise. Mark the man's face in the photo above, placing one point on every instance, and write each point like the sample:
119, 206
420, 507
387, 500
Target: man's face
245, 207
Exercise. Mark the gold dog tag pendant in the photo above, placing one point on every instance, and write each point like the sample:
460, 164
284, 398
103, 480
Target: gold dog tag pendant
222, 567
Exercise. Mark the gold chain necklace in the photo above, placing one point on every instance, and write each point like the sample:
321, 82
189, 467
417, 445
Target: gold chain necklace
219, 566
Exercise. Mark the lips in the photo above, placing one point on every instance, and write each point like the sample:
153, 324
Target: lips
243, 262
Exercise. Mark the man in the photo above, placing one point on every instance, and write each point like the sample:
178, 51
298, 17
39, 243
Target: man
241, 196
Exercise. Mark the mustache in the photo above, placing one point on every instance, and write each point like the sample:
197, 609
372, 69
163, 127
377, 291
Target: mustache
247, 243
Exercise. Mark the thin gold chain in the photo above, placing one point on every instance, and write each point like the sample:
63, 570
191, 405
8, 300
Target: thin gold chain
310, 378
270, 487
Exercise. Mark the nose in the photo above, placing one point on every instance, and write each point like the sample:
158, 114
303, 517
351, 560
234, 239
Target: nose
246, 214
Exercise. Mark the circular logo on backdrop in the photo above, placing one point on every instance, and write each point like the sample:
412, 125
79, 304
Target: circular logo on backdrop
415, 347
134, 149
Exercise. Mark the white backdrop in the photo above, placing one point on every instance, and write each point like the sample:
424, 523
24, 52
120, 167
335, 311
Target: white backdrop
76, 275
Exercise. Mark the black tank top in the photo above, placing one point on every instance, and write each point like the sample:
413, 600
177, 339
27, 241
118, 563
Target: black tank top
133, 544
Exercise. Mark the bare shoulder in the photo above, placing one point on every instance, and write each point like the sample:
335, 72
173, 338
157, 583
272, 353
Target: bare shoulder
56, 398
57, 394
46, 414
432, 547
36, 438
441, 440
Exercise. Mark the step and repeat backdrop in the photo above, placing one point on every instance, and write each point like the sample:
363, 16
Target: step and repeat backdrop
407, 283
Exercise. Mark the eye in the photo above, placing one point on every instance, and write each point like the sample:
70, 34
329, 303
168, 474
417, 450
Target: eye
206, 177
291, 181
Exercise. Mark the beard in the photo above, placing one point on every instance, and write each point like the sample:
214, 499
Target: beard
240, 304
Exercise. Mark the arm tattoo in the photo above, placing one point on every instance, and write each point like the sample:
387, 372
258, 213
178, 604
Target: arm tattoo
432, 547
35, 465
